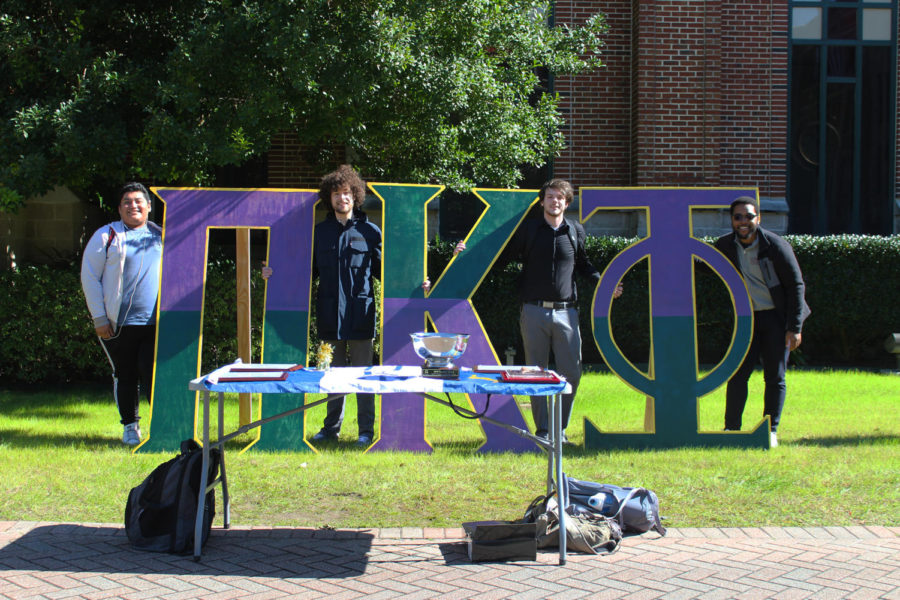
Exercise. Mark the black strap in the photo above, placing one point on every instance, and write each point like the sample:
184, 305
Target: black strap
571, 235
537, 507
457, 410
109, 240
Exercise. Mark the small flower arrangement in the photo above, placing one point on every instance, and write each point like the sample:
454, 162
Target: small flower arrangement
324, 355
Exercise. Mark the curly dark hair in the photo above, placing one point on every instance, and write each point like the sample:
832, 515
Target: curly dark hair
344, 175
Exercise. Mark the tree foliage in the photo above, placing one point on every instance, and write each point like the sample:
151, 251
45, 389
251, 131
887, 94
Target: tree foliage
96, 92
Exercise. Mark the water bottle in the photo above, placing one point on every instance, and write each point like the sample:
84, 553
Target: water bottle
603, 503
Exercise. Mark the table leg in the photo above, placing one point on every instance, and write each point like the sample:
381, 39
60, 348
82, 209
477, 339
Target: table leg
561, 487
226, 501
551, 452
204, 473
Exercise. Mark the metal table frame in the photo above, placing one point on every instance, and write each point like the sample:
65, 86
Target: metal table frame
552, 445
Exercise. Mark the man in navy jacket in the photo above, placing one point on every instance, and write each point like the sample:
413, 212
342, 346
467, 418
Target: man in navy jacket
770, 270
346, 258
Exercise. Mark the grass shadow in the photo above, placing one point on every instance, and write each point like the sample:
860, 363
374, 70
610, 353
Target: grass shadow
21, 438
55, 402
849, 440
100, 391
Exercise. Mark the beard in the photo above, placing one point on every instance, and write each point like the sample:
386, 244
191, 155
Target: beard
750, 233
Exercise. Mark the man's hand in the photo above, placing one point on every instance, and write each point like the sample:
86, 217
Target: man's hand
792, 340
266, 271
460, 246
104, 331
619, 290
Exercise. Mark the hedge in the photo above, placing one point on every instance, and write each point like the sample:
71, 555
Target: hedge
853, 285
852, 288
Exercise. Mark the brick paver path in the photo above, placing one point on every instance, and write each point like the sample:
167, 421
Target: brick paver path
95, 561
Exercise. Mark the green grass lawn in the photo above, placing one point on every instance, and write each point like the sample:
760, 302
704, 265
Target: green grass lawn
838, 463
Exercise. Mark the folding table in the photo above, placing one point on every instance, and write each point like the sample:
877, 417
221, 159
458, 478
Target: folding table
382, 379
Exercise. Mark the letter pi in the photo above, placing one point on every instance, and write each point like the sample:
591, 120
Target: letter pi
673, 380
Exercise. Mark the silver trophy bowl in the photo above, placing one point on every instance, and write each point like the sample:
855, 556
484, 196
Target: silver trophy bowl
439, 349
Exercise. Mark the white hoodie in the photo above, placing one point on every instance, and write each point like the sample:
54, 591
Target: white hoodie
101, 272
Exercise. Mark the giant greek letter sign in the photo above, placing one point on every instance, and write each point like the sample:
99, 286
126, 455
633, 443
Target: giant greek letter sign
448, 306
288, 215
674, 382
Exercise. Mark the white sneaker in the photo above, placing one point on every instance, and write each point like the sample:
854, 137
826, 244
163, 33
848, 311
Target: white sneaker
773, 440
132, 434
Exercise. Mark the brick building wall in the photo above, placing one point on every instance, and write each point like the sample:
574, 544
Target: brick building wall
653, 114
597, 106
754, 83
52, 228
678, 97
292, 164
694, 93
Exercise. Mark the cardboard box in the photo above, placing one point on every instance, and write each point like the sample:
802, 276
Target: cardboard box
498, 541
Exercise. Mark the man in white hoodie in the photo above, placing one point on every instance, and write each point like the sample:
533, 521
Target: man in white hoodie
120, 279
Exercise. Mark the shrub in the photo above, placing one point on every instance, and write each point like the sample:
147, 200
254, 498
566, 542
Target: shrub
47, 333
852, 286
852, 282
220, 313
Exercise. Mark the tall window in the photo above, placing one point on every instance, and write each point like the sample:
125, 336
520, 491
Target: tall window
843, 101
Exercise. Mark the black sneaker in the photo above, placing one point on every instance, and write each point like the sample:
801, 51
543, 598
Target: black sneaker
324, 436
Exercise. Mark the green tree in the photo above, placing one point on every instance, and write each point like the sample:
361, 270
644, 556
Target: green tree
98, 91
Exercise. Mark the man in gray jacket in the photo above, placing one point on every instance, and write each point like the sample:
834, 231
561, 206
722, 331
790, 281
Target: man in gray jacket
770, 270
120, 279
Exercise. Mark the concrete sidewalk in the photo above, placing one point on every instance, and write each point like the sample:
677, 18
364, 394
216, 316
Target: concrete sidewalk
59, 561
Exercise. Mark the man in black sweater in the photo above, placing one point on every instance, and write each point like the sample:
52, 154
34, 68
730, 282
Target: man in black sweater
551, 250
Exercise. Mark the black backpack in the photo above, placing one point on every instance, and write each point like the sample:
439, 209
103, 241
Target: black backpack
161, 511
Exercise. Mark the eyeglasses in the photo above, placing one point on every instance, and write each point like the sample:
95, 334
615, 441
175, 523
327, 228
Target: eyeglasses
743, 217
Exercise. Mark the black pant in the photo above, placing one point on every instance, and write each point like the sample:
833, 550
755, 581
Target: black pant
769, 344
359, 353
130, 353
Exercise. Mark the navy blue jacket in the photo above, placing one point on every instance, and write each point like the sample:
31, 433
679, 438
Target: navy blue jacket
345, 259
781, 272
